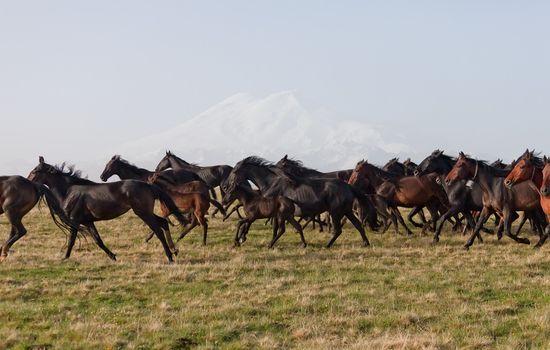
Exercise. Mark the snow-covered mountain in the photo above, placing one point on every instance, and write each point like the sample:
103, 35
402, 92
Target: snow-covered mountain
270, 127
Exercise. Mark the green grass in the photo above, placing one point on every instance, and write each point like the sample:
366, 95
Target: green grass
402, 292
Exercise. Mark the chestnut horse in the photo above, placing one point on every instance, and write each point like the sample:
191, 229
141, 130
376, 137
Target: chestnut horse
496, 197
529, 169
396, 191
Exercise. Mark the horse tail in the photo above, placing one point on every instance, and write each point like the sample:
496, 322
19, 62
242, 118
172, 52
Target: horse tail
366, 203
165, 199
217, 205
59, 216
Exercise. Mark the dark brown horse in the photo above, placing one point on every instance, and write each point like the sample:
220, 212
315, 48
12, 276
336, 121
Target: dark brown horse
86, 202
17, 197
256, 206
496, 197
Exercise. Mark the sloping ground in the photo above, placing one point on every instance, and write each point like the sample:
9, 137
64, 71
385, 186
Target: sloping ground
401, 293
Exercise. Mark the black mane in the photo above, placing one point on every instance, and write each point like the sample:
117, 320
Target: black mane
70, 172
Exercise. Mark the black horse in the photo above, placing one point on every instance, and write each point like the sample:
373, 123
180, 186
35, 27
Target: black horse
313, 196
406, 168
17, 197
213, 176
86, 202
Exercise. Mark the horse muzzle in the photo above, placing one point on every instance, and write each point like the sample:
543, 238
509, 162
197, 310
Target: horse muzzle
508, 184
545, 191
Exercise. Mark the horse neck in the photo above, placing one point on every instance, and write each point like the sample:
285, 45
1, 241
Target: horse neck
537, 177
261, 177
59, 185
487, 180
129, 172
376, 177
178, 163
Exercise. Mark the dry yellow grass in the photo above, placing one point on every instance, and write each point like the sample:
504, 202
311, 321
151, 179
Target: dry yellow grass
400, 293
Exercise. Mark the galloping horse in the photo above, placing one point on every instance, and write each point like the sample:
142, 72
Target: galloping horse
17, 197
312, 196
537, 174
409, 191
256, 206
496, 197
86, 202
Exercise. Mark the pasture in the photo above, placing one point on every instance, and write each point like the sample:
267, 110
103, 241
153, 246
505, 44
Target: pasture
402, 292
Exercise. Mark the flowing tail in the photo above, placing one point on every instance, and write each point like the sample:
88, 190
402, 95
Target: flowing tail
368, 207
165, 199
217, 205
59, 217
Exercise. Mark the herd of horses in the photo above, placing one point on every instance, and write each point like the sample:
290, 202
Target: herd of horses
463, 191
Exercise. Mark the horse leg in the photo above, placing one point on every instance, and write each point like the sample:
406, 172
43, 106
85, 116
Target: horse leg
204, 223
281, 231
336, 228
416, 210
97, 238
70, 243
188, 229
357, 224
298, 228
508, 219
151, 221
163, 223
544, 237
522, 222
439, 225
483, 216
17, 231
397, 213
237, 232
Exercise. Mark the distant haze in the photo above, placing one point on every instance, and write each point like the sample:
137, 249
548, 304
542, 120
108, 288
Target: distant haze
328, 82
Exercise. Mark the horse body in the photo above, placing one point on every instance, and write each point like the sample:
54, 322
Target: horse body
18, 196
256, 206
86, 202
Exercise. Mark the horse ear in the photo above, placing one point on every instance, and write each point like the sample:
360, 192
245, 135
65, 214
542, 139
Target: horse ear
41, 160
285, 157
545, 159
461, 155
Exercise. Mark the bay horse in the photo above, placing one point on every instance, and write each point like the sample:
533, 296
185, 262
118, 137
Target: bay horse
535, 173
213, 175
313, 196
256, 206
394, 191
18, 196
191, 197
86, 202
496, 197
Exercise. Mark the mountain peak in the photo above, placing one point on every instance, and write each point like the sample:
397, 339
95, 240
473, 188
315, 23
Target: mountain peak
270, 126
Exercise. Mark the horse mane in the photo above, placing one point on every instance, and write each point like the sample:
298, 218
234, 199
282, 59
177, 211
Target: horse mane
533, 157
254, 161
296, 168
182, 160
483, 164
383, 174
72, 173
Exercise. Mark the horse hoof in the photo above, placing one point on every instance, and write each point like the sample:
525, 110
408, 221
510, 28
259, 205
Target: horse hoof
435, 240
113, 257
304, 245
525, 241
466, 247
3, 257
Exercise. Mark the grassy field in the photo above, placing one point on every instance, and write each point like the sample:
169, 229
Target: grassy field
400, 293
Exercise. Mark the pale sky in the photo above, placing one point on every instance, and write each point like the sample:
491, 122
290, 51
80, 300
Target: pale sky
78, 78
